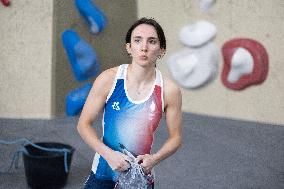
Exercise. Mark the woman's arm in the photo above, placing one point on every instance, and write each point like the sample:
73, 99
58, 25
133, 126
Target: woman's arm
93, 107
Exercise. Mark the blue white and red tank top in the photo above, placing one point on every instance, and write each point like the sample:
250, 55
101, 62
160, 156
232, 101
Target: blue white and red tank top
129, 122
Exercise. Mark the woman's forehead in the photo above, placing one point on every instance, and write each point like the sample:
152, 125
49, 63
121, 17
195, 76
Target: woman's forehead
145, 30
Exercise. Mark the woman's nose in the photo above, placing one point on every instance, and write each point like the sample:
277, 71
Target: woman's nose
144, 47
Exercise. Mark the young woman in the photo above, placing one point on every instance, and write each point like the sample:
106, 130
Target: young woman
132, 98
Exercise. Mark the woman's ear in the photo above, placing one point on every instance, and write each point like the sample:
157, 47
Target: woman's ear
127, 47
162, 52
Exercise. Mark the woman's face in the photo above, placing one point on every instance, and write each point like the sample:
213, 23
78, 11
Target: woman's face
145, 45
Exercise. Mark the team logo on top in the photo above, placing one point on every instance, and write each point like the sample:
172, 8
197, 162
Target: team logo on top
115, 106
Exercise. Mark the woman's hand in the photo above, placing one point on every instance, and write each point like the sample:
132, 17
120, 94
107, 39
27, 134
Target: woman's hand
118, 161
147, 162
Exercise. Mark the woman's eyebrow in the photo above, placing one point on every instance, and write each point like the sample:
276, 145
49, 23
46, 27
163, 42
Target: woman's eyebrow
153, 38
139, 37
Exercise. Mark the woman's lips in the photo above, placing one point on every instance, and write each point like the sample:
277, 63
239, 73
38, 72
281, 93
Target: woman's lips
143, 57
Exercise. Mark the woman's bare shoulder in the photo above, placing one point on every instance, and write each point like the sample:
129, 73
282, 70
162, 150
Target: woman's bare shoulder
170, 86
108, 75
171, 90
111, 72
105, 80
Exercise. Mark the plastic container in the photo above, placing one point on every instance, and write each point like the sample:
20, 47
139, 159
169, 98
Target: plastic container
45, 169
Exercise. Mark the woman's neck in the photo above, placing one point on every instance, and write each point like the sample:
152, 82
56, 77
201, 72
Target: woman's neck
139, 74
139, 81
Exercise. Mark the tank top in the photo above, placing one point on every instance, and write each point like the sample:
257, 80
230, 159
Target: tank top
129, 122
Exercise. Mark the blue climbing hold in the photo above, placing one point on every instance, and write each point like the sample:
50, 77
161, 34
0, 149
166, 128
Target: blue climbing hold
76, 98
92, 15
81, 55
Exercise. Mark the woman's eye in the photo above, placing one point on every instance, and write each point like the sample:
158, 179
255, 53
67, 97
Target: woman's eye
136, 40
153, 41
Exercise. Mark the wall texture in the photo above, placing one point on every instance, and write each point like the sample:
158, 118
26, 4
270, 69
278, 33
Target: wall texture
109, 44
26, 59
35, 74
258, 19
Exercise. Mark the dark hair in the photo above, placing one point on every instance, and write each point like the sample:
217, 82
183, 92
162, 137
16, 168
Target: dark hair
152, 22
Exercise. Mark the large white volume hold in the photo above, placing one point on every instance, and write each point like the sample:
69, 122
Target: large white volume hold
197, 34
194, 67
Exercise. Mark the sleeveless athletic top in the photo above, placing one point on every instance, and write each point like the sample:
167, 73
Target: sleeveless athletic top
129, 122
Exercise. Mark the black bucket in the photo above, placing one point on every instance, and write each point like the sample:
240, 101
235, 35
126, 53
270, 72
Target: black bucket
45, 169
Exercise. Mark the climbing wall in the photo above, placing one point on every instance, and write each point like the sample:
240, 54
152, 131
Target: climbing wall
259, 20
